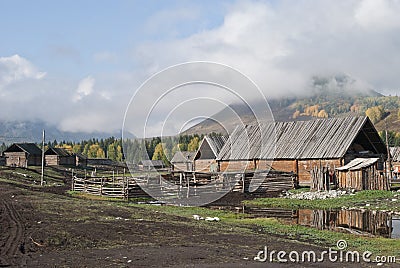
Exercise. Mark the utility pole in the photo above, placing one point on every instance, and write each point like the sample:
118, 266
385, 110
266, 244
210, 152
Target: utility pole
42, 177
389, 164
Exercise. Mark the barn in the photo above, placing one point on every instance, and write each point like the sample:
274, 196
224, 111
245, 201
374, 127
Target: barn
183, 161
23, 155
300, 146
206, 155
59, 157
395, 156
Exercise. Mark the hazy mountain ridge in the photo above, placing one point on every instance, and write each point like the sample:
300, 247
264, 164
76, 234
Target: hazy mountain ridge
334, 96
31, 131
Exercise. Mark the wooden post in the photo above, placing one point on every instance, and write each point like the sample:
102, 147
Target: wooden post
243, 182
101, 186
127, 188
42, 176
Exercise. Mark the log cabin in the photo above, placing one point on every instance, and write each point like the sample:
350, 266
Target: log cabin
23, 155
59, 157
299, 146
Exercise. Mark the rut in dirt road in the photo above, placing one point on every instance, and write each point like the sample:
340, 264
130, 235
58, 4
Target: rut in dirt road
12, 237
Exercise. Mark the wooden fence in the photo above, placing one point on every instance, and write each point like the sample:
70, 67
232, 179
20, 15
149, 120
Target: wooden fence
117, 187
184, 184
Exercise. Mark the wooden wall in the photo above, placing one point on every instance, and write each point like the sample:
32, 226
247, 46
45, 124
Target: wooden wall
368, 178
203, 165
236, 165
300, 167
17, 159
183, 166
20, 159
55, 160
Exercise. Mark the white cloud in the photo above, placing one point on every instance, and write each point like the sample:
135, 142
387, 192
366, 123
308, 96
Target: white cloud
281, 45
378, 14
85, 88
16, 68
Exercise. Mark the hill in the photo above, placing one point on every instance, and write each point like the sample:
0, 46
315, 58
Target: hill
31, 131
328, 97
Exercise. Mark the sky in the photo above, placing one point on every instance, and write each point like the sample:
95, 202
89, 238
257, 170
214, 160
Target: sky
77, 64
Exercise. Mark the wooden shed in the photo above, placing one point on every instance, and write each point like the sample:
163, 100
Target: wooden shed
151, 164
395, 157
23, 155
206, 155
302, 145
183, 161
59, 157
362, 174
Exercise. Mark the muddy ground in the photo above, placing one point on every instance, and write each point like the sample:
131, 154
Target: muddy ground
49, 228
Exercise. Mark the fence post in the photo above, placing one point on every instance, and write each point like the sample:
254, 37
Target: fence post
127, 188
101, 186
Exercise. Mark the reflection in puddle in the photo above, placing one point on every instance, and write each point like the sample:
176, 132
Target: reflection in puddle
361, 222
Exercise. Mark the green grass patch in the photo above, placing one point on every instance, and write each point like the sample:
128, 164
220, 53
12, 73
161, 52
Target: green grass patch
380, 199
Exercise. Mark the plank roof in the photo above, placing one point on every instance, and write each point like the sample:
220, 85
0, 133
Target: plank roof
216, 142
29, 148
152, 163
315, 139
57, 151
358, 163
183, 157
395, 154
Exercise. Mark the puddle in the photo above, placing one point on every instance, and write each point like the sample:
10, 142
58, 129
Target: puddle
360, 222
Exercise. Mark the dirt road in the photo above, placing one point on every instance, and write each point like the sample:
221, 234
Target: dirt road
49, 229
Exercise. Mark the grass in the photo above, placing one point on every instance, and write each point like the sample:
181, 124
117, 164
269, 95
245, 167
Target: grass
271, 226
376, 199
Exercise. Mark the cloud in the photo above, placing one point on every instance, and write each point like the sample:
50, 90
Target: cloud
16, 68
85, 88
282, 45
378, 14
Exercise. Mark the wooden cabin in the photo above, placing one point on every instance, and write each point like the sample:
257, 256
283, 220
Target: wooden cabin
183, 161
206, 155
395, 157
362, 174
23, 155
59, 157
300, 146
151, 164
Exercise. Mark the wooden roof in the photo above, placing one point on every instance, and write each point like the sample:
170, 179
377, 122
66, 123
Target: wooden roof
57, 151
358, 163
29, 148
216, 142
315, 139
152, 163
395, 154
183, 157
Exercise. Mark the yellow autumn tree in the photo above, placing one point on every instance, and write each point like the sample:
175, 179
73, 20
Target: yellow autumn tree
296, 114
193, 144
375, 113
323, 114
